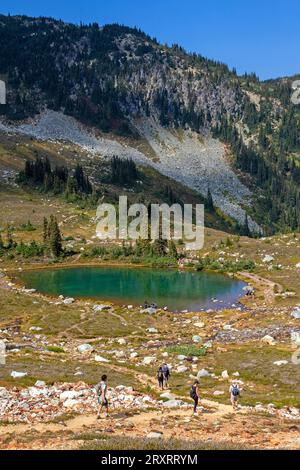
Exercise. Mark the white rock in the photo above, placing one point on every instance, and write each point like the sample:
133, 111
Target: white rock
199, 324
101, 359
133, 355
268, 259
225, 374
69, 395
181, 369
36, 392
296, 313
35, 328
84, 347
197, 339
122, 341
295, 337
150, 310
168, 395
298, 265
154, 435
100, 308
173, 403
218, 392
280, 363
149, 360
68, 300
152, 330
268, 340
70, 403
18, 375
203, 373
40, 383
181, 357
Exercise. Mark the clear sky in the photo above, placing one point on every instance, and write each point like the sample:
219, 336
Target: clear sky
261, 36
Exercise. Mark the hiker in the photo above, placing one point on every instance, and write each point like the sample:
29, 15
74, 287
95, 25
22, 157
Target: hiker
234, 394
194, 395
166, 372
101, 390
160, 378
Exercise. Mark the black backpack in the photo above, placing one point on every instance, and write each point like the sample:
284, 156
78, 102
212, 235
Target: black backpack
235, 391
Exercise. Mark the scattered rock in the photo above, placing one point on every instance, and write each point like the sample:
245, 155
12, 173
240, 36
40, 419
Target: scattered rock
101, 359
40, 383
100, 308
152, 330
181, 369
197, 339
280, 363
203, 373
296, 313
84, 347
268, 259
148, 360
68, 301
268, 340
199, 324
18, 375
295, 337
155, 435
173, 403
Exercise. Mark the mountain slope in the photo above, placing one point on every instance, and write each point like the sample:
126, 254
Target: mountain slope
118, 80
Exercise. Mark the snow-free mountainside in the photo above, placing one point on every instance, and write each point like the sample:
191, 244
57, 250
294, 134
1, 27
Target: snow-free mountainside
94, 112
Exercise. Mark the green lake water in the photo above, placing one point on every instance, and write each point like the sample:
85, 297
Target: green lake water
178, 290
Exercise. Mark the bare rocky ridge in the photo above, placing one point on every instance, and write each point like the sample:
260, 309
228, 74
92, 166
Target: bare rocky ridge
198, 162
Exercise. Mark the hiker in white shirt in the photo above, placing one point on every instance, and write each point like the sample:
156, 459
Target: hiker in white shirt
234, 391
101, 390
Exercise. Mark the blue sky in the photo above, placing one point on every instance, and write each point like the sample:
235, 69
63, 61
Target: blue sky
254, 36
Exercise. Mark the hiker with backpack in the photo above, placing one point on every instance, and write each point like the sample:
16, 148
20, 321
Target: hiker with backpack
160, 378
234, 391
195, 395
101, 390
166, 372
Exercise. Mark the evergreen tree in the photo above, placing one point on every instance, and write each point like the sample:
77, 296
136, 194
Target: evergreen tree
9, 237
55, 242
45, 230
172, 249
209, 201
245, 228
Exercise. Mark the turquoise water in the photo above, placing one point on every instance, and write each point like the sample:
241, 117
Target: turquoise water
175, 289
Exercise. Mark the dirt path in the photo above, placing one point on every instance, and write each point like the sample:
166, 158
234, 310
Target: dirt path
269, 287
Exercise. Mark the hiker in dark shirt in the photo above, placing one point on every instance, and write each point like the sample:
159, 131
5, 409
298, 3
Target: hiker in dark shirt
166, 372
194, 395
160, 378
